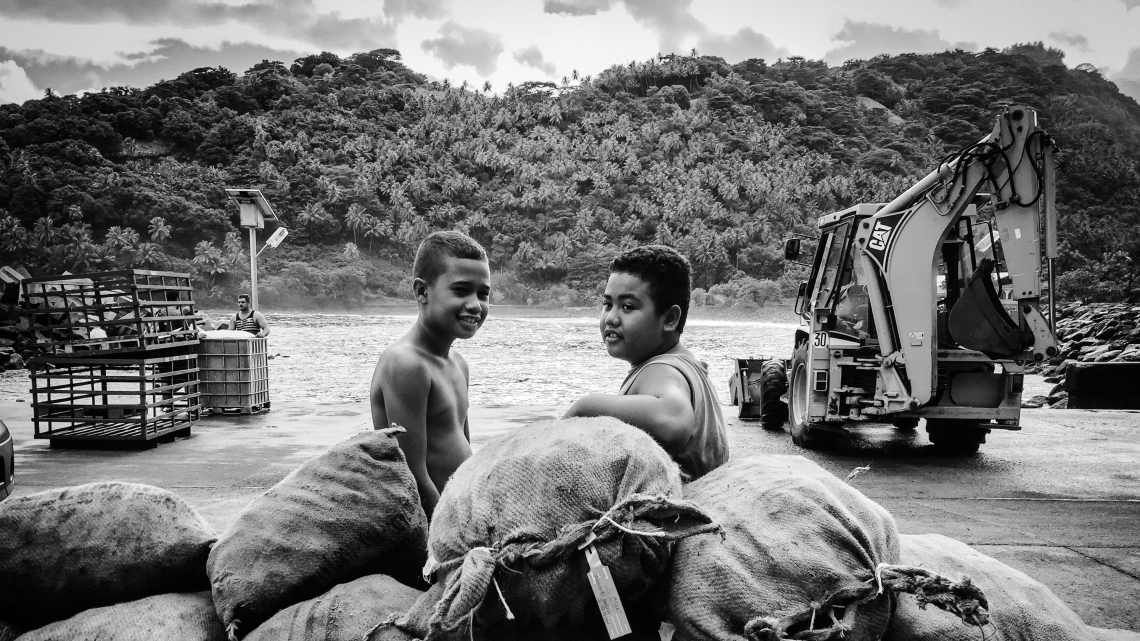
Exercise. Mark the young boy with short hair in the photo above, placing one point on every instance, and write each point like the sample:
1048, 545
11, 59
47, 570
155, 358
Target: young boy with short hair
420, 383
667, 393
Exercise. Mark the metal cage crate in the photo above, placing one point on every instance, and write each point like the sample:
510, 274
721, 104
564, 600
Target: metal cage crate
234, 374
138, 398
132, 310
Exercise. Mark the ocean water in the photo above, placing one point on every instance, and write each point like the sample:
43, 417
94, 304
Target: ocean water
513, 361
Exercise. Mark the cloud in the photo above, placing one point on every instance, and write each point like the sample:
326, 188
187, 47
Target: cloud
868, 39
577, 7
400, 9
950, 4
1075, 40
1131, 4
168, 59
532, 57
1132, 66
1128, 78
15, 85
675, 25
299, 19
742, 45
672, 20
459, 45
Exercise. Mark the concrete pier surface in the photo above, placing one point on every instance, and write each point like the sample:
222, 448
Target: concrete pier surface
1058, 500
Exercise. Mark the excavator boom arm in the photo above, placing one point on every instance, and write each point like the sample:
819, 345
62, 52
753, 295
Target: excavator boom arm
1015, 162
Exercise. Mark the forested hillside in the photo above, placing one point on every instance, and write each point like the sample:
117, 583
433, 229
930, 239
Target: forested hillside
362, 157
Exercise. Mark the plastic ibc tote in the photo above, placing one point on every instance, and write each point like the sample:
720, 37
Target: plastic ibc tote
233, 372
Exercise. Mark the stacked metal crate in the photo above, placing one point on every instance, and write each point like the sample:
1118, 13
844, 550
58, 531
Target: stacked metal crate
122, 361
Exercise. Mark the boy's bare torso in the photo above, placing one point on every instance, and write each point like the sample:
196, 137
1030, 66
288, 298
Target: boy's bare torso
444, 379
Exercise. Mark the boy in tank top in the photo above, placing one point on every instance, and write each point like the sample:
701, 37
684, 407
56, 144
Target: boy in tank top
667, 392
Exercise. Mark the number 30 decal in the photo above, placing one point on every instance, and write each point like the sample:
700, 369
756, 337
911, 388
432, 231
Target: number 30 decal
819, 340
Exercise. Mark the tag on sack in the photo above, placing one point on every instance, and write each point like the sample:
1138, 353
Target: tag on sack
605, 592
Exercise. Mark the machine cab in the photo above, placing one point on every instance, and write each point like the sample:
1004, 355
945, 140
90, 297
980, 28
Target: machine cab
835, 298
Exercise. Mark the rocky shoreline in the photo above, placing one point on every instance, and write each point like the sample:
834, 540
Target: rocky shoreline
1088, 333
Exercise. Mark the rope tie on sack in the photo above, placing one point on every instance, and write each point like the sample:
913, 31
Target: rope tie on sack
474, 571
510, 615
466, 591
387, 622
607, 518
961, 598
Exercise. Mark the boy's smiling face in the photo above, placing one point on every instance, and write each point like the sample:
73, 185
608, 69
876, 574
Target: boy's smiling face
632, 327
458, 301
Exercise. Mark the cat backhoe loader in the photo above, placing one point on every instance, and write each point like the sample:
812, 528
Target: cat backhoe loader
926, 307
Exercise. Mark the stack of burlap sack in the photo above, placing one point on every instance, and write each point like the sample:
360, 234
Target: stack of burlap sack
761, 549
325, 554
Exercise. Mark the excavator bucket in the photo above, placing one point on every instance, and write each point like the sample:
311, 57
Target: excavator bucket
979, 322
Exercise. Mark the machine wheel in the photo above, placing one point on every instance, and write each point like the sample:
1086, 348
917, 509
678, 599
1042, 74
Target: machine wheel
800, 397
956, 436
773, 385
906, 423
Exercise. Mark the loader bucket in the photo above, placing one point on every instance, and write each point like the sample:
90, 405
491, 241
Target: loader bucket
979, 322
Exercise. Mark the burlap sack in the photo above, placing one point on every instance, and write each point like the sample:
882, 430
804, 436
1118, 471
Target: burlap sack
416, 622
348, 513
508, 526
345, 613
1021, 609
71, 549
169, 617
802, 551
1105, 634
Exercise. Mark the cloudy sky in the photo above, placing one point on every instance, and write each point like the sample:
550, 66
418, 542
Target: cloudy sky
79, 45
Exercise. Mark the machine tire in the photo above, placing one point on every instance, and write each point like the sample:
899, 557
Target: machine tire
773, 385
956, 436
800, 390
905, 423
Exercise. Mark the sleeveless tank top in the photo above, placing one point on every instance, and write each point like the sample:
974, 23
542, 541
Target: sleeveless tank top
707, 448
247, 324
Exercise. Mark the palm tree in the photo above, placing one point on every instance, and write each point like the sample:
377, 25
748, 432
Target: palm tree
150, 254
376, 228
13, 236
351, 252
355, 219
44, 232
311, 213
232, 251
211, 260
159, 230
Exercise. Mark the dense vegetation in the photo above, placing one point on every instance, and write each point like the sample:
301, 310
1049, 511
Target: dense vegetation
361, 157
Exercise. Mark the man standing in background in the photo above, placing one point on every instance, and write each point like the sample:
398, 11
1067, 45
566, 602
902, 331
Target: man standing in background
249, 320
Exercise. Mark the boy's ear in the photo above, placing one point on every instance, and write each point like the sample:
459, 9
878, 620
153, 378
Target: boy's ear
672, 318
419, 289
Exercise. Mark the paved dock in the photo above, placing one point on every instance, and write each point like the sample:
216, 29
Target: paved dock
1059, 500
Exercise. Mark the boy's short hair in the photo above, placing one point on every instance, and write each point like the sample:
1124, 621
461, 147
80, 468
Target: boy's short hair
665, 270
247, 297
429, 262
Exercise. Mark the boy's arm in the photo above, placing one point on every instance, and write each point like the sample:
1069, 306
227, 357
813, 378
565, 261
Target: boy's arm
403, 384
658, 403
466, 379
